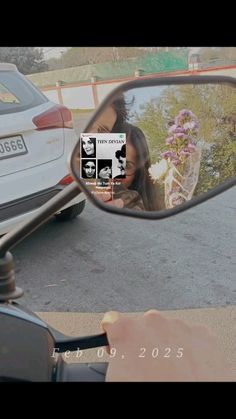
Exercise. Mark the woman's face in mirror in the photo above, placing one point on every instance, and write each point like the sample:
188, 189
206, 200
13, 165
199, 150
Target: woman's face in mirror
88, 146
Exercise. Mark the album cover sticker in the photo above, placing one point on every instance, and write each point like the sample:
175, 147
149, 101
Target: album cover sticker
103, 155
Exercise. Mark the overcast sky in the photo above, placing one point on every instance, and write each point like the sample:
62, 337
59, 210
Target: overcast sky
53, 52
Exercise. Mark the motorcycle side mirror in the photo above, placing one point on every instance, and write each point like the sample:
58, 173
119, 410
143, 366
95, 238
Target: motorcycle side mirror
158, 146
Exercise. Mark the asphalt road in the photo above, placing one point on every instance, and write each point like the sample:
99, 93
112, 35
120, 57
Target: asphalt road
100, 261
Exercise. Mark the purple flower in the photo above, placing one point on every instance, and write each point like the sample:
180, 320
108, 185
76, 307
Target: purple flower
181, 135
180, 142
191, 147
184, 153
192, 125
176, 162
172, 129
186, 112
185, 116
168, 154
188, 125
170, 140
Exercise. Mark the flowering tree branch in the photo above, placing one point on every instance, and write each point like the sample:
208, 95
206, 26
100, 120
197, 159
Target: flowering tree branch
179, 167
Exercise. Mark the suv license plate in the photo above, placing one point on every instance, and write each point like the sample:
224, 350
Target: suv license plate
12, 146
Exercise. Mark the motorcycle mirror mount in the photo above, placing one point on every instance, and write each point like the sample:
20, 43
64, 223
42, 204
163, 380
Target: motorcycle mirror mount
8, 290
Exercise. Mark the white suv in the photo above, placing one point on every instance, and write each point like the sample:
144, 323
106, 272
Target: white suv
36, 138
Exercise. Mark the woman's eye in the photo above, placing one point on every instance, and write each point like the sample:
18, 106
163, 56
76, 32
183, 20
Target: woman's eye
129, 165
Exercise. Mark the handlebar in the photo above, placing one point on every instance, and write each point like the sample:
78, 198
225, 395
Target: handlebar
64, 343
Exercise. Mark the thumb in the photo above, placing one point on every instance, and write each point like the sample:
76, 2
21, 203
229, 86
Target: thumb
108, 319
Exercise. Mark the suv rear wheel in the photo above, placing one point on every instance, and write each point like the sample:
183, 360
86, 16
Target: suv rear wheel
71, 212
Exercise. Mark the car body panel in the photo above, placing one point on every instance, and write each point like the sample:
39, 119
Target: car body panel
30, 175
42, 146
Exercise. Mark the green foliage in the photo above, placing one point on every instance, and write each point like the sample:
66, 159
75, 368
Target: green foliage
27, 59
153, 124
225, 54
78, 56
217, 165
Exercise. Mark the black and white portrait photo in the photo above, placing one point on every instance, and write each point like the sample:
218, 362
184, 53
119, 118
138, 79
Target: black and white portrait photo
104, 171
88, 169
121, 162
88, 147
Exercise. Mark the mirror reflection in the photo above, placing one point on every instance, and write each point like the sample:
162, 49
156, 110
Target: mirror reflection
158, 147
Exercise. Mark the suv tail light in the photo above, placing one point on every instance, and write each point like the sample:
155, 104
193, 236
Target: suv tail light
56, 117
66, 180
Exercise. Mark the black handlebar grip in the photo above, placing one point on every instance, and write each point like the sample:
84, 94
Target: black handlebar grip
85, 342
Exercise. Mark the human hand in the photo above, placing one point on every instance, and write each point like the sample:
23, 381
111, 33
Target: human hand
123, 197
117, 195
152, 347
107, 197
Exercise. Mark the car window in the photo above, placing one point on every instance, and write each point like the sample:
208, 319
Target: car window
17, 93
6, 96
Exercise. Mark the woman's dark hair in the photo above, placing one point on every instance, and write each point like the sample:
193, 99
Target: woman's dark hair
120, 106
142, 182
